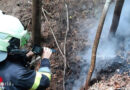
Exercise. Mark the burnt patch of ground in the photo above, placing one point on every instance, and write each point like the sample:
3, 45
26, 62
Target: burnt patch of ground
78, 9
113, 82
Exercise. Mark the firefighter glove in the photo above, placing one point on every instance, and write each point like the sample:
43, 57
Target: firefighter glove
37, 50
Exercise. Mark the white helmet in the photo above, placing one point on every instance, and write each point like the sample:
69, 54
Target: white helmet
10, 27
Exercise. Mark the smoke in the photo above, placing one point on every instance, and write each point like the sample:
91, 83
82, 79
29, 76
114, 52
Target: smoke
107, 49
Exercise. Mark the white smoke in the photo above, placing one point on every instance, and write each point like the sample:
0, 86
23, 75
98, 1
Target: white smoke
107, 50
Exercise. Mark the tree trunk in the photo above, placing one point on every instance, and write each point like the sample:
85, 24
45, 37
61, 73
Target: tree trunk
36, 22
116, 17
96, 42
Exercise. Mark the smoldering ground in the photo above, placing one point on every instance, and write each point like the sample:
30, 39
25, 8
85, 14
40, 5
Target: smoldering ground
111, 52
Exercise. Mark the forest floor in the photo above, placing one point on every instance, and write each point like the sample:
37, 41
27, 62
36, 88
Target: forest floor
78, 10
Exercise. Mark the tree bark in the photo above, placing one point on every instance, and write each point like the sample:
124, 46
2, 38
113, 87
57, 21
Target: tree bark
36, 22
116, 17
96, 42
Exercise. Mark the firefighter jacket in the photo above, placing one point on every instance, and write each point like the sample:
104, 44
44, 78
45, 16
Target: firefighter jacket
15, 76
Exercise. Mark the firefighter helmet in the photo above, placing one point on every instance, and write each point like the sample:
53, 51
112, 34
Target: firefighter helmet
10, 27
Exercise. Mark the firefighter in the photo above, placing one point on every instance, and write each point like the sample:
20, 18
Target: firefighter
14, 73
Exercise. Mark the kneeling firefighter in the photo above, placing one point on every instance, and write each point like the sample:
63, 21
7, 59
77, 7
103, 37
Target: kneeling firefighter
14, 72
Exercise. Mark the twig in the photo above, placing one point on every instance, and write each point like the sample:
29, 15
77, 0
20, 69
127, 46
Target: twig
96, 42
28, 23
64, 57
26, 19
64, 73
67, 30
49, 14
53, 34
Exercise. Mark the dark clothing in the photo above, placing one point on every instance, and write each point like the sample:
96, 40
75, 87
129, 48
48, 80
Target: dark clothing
14, 72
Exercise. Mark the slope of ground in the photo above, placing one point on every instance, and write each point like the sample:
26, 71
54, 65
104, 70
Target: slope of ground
78, 9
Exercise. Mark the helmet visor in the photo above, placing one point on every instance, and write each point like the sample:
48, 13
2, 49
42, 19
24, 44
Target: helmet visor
3, 56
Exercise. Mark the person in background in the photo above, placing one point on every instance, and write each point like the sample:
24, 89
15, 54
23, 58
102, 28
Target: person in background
14, 71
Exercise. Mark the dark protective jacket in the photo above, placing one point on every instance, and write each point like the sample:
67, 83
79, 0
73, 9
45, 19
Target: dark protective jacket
15, 76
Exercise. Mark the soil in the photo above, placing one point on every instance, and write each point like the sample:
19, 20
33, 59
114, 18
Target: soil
78, 10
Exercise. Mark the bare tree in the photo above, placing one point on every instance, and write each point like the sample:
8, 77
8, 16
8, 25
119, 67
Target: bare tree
116, 17
36, 21
96, 42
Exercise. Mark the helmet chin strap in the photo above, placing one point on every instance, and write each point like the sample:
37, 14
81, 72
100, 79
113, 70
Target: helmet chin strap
18, 51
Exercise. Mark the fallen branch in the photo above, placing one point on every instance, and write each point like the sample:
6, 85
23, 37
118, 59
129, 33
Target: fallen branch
96, 42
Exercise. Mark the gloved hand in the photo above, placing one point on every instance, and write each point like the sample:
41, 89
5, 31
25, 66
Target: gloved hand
37, 50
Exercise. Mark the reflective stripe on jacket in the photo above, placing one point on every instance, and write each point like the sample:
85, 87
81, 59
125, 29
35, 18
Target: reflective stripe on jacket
21, 78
